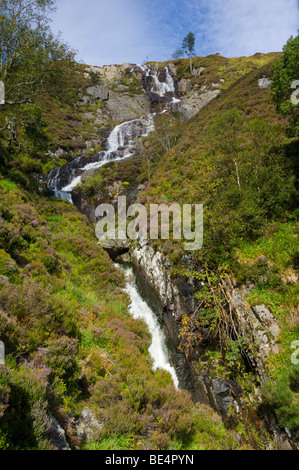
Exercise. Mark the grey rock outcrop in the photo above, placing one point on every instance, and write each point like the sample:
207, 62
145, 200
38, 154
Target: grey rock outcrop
260, 324
88, 427
98, 92
107, 73
184, 85
114, 246
123, 107
56, 436
264, 82
191, 105
198, 72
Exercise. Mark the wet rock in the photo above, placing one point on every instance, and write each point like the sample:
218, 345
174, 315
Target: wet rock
125, 258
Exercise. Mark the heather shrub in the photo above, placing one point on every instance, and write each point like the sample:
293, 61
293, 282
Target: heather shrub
61, 356
26, 422
8, 266
29, 304
175, 416
121, 418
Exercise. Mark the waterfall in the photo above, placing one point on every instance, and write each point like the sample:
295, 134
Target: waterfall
159, 88
120, 145
141, 310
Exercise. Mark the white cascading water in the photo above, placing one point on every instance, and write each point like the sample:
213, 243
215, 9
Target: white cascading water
159, 88
121, 138
120, 145
140, 309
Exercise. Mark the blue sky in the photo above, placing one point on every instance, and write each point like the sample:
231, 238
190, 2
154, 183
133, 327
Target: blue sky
116, 31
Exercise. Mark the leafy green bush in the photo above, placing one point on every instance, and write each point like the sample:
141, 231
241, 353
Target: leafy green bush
285, 71
282, 395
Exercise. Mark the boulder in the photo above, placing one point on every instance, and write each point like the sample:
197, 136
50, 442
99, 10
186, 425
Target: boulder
126, 66
56, 436
184, 85
172, 69
85, 100
198, 72
114, 246
122, 107
111, 72
192, 105
264, 82
88, 427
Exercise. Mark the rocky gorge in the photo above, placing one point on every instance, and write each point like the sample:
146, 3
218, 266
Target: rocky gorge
130, 96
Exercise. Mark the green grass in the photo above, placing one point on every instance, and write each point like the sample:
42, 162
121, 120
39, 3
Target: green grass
112, 443
279, 247
89, 340
8, 185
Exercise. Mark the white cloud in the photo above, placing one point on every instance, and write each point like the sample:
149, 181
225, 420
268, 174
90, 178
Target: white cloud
243, 27
117, 31
104, 32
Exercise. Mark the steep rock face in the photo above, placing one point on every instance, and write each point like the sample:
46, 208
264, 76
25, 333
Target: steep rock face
171, 300
107, 73
98, 92
123, 107
174, 298
192, 104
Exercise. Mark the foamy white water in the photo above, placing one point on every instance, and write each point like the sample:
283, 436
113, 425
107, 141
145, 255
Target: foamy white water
160, 88
120, 143
121, 137
140, 309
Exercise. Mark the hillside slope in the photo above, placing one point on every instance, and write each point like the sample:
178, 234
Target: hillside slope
74, 354
233, 157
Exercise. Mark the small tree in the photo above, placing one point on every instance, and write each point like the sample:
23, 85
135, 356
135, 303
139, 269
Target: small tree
285, 84
188, 47
177, 54
227, 139
165, 136
32, 60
